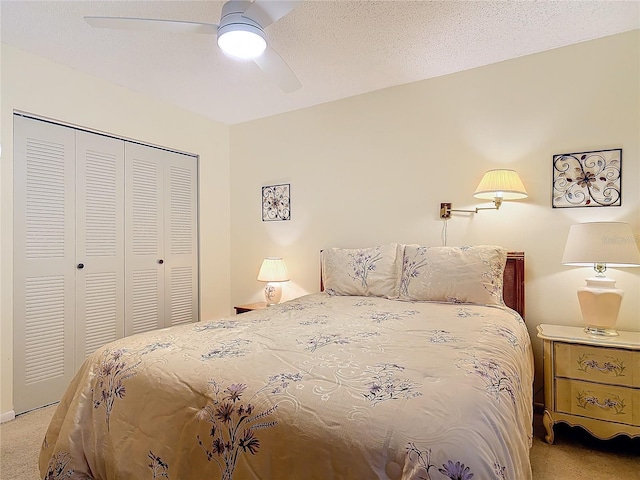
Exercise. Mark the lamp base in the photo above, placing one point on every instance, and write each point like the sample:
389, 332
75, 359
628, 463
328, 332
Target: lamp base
272, 293
600, 303
608, 332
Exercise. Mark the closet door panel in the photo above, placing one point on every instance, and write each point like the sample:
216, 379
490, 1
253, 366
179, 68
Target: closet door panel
99, 242
181, 239
44, 261
105, 245
144, 240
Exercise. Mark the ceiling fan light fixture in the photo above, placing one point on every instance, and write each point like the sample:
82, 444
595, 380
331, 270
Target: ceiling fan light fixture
242, 40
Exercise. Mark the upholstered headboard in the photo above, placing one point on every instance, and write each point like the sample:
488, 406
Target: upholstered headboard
513, 290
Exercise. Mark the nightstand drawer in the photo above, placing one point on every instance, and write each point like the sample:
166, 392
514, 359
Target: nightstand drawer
602, 402
612, 366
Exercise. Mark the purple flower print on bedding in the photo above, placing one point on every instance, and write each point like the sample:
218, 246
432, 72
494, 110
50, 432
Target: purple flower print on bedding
281, 381
152, 347
57, 468
379, 317
233, 426
516, 316
411, 268
315, 320
499, 470
364, 303
496, 379
456, 471
467, 312
232, 348
386, 385
322, 340
362, 263
494, 277
234, 423
505, 333
382, 316
215, 325
441, 336
113, 368
451, 470
454, 300
293, 305
158, 468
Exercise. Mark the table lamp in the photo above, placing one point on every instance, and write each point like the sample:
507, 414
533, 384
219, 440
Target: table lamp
273, 271
600, 245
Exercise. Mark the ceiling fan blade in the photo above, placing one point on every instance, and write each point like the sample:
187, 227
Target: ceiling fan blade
277, 69
265, 12
152, 25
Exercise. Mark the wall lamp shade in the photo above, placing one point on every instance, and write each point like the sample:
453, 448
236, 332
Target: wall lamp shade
502, 184
600, 245
273, 271
496, 185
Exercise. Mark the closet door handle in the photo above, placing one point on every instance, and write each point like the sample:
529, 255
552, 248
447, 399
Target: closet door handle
80, 266
161, 261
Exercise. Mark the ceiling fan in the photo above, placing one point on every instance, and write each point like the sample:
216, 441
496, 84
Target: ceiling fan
240, 33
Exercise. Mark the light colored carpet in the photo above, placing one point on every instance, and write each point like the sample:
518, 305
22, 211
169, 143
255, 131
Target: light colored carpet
20, 442
577, 455
574, 456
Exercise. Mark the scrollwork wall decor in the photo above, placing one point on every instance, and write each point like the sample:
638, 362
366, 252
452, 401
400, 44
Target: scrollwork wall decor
587, 179
276, 202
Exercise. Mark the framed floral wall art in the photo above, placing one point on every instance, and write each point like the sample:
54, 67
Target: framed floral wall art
276, 202
587, 179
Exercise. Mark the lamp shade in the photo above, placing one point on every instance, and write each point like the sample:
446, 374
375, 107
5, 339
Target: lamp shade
273, 269
505, 184
609, 243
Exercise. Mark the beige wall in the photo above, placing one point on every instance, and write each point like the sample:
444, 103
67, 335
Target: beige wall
374, 168
32, 84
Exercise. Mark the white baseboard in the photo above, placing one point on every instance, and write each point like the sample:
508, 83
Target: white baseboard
7, 416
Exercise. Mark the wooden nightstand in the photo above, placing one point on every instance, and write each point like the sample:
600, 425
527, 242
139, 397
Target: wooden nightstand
248, 307
590, 381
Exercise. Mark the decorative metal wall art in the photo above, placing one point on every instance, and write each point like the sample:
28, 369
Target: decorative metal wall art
587, 179
276, 202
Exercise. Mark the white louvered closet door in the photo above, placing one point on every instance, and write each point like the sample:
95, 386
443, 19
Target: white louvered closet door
144, 244
161, 257
44, 261
105, 246
181, 240
99, 242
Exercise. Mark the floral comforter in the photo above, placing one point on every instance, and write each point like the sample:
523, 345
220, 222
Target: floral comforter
321, 387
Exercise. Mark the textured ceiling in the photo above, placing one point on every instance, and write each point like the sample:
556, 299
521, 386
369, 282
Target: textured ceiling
337, 48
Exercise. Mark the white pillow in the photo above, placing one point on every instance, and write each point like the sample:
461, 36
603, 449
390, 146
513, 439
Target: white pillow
453, 274
371, 271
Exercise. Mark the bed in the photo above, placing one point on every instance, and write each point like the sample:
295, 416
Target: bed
408, 365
